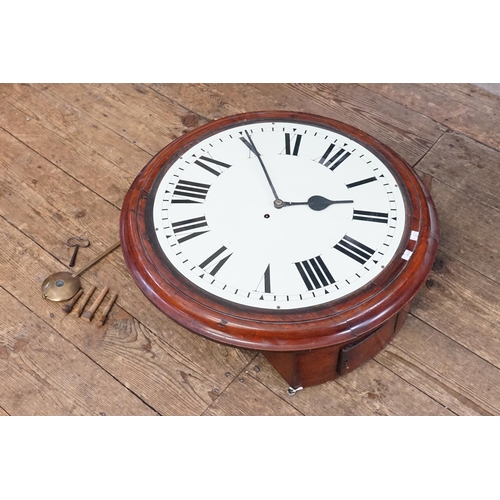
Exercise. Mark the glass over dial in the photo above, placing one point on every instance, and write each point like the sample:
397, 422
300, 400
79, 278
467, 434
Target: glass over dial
278, 214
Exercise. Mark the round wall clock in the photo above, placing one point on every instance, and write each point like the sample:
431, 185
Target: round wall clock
283, 232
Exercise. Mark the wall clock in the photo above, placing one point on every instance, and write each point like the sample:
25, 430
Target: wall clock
283, 232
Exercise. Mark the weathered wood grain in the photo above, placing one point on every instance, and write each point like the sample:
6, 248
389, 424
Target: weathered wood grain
469, 228
461, 299
246, 396
467, 166
465, 108
43, 374
443, 369
371, 389
144, 362
100, 159
463, 304
38, 102
39, 217
445, 359
43, 201
134, 111
214, 101
410, 134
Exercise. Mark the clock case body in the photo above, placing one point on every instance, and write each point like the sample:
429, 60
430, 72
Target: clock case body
307, 346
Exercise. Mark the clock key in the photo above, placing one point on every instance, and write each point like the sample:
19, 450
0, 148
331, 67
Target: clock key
77, 243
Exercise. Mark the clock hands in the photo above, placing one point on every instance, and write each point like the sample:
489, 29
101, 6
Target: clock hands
278, 202
315, 202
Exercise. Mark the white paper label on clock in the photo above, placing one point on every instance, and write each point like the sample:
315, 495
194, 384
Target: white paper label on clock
279, 215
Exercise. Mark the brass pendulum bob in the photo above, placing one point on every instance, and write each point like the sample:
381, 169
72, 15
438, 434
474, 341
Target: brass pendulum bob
63, 285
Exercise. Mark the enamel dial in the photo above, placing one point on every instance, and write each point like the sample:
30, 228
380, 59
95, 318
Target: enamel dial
278, 214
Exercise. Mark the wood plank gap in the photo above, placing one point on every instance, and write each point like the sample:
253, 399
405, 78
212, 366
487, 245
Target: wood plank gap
280, 394
79, 350
485, 144
441, 251
423, 173
441, 125
395, 101
454, 340
49, 131
243, 379
424, 374
459, 396
429, 150
60, 168
118, 275
447, 364
461, 107
243, 370
150, 87
99, 121
457, 257
31, 239
122, 306
125, 339
452, 89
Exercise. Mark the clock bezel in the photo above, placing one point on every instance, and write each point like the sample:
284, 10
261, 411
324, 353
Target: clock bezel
335, 322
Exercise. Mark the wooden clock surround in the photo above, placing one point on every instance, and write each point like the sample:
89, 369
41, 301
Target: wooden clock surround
307, 346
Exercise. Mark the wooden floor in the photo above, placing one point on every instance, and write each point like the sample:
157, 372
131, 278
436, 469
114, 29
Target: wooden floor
68, 154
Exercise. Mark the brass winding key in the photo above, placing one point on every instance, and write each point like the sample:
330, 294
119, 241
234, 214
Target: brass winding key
77, 243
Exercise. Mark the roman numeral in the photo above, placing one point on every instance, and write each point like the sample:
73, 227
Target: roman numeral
267, 279
190, 192
214, 162
188, 226
213, 264
289, 142
360, 183
314, 273
371, 216
354, 249
333, 161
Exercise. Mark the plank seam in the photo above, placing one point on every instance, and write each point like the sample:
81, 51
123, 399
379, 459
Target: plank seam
58, 96
176, 103
157, 337
61, 169
78, 349
453, 392
61, 137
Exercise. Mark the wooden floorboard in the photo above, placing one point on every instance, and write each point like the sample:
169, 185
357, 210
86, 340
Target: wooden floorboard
370, 390
35, 375
68, 154
464, 108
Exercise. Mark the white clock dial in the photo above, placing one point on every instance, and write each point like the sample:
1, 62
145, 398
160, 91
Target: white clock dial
278, 215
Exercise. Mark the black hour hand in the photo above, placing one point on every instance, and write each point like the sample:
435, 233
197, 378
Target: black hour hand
317, 202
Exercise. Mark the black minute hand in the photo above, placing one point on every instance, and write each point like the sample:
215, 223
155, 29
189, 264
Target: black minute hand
278, 203
316, 202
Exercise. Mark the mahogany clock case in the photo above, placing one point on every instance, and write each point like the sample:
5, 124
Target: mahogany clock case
335, 323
